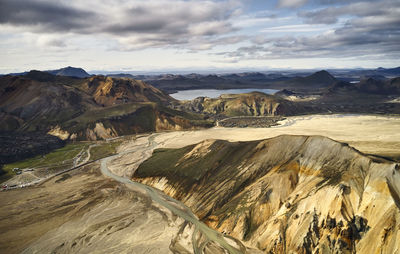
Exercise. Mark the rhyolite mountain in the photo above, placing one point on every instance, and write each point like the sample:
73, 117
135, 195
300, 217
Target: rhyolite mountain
288, 194
87, 108
248, 104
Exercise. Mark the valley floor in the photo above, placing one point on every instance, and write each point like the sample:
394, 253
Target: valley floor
86, 192
378, 135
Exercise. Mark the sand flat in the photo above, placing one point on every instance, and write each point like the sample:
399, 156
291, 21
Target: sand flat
368, 133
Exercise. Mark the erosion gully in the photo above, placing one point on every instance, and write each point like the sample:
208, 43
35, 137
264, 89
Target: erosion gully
165, 201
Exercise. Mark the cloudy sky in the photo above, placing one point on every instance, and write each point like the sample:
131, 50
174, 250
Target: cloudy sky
156, 35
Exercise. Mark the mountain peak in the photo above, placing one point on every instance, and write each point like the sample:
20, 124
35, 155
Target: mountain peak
323, 73
70, 72
322, 77
318, 79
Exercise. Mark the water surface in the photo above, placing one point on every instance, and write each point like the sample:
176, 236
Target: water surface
214, 93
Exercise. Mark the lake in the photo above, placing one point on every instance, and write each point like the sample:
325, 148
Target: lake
214, 93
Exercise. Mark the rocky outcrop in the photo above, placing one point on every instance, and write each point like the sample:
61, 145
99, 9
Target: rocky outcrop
289, 194
250, 104
138, 118
107, 91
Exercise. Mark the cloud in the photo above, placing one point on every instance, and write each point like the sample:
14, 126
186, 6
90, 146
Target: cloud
368, 33
293, 28
258, 18
342, 43
331, 15
319, 28
367, 28
51, 41
320, 17
301, 3
136, 23
42, 15
291, 3
335, 2
209, 44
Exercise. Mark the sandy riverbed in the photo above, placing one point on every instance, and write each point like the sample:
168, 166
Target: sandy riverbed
370, 134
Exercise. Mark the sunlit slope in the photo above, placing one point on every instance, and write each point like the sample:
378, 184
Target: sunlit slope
285, 194
248, 104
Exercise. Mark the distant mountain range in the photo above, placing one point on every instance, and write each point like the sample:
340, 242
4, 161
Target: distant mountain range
67, 71
391, 72
369, 86
171, 83
297, 80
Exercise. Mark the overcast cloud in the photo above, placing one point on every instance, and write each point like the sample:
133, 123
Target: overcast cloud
229, 31
136, 24
370, 28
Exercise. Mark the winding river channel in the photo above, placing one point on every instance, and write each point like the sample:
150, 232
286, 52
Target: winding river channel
166, 201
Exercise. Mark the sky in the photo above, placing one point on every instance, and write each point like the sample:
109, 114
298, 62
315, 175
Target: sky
165, 35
